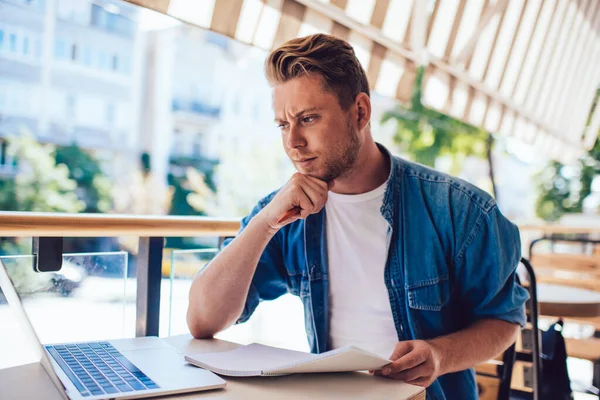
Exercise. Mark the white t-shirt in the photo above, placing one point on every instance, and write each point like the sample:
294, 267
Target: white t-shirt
359, 306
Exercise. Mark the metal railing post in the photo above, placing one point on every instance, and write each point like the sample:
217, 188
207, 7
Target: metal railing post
149, 271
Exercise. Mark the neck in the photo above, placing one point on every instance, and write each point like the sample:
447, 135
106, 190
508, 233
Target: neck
371, 169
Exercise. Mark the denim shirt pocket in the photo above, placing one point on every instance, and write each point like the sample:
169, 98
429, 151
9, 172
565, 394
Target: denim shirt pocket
429, 295
430, 308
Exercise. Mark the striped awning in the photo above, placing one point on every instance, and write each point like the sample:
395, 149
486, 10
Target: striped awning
523, 68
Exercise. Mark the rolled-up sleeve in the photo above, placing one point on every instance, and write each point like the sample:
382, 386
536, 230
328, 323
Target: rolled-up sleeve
486, 269
269, 280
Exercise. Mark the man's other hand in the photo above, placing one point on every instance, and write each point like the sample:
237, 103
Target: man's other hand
417, 362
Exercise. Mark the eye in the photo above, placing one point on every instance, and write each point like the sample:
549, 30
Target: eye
282, 125
308, 120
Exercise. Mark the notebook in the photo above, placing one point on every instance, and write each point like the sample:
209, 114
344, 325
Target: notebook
260, 360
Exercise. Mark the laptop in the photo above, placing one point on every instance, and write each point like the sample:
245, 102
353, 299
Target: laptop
115, 369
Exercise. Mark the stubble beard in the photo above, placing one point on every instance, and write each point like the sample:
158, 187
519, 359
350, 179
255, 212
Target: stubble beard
343, 159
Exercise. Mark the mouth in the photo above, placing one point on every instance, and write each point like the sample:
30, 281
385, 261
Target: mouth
304, 161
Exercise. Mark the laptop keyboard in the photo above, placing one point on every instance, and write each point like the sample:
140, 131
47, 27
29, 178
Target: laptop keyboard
97, 368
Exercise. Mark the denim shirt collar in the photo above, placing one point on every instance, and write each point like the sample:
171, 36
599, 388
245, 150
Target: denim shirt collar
388, 211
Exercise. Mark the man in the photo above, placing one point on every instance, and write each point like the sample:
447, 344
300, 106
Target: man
387, 255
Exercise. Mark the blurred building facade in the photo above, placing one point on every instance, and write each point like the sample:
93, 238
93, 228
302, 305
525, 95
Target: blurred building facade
68, 74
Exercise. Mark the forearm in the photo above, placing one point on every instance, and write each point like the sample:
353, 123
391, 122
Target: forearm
219, 292
480, 342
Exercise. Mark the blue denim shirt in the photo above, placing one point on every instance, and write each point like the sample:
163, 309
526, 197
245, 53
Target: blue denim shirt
452, 260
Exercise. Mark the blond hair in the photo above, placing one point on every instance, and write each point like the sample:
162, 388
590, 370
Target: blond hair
331, 58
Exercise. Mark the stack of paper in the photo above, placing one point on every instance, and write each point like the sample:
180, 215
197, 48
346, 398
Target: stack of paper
260, 360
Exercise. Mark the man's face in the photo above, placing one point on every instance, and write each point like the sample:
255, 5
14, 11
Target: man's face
318, 135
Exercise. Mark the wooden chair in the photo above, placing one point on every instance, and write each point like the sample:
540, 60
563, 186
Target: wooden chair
580, 270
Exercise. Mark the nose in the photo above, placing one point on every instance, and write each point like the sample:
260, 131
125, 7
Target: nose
295, 137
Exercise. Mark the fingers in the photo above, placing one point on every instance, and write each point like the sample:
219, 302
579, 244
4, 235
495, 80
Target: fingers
310, 194
317, 194
414, 362
405, 362
306, 193
412, 374
306, 203
401, 349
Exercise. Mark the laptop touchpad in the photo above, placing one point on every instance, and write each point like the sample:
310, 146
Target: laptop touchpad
169, 369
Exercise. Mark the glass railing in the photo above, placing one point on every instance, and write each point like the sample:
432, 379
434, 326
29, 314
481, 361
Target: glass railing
183, 266
277, 323
90, 298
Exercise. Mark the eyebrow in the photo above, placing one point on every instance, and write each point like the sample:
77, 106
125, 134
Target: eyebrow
299, 113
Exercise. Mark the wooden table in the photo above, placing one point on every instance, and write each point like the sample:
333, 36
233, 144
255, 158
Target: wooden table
356, 385
566, 301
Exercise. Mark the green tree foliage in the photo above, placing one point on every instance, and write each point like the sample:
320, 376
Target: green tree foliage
41, 184
193, 188
184, 189
202, 198
93, 187
562, 188
425, 134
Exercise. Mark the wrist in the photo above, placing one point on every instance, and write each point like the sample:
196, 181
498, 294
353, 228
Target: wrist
439, 349
261, 223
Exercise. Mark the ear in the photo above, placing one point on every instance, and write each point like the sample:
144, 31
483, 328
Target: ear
363, 107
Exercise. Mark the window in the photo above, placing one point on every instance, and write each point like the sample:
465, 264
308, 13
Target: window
98, 15
19, 41
25, 46
13, 42
111, 22
60, 49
